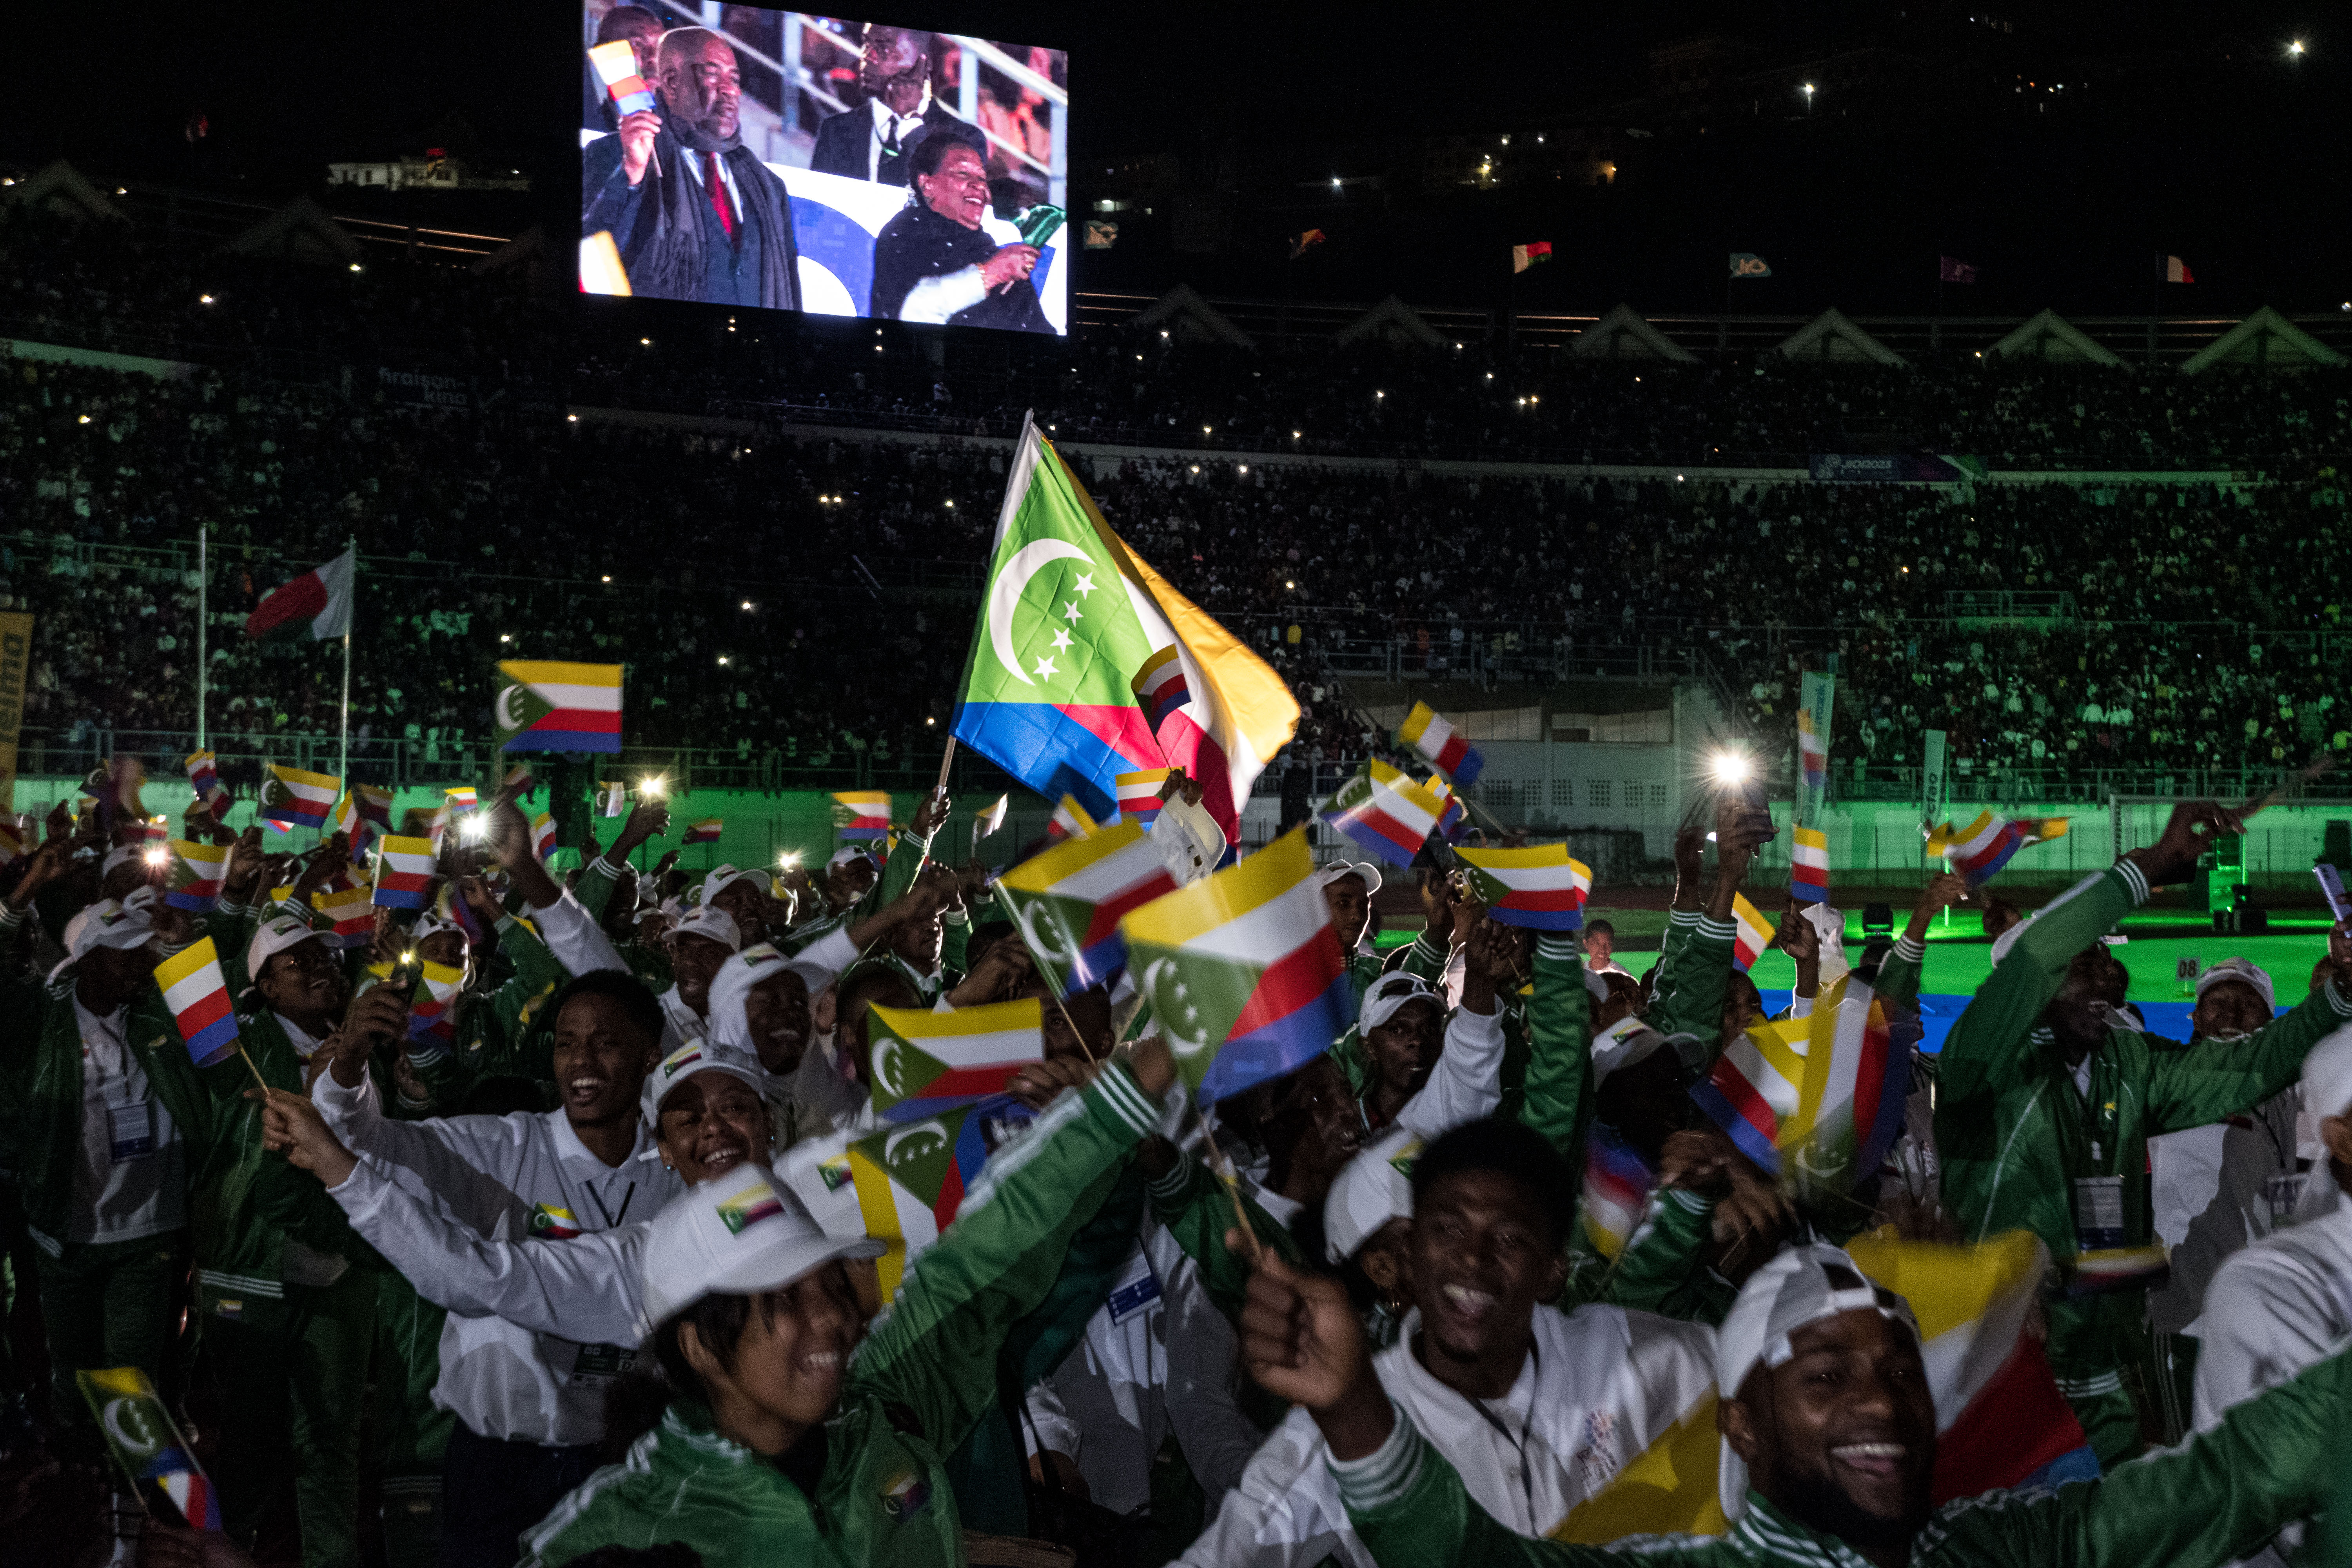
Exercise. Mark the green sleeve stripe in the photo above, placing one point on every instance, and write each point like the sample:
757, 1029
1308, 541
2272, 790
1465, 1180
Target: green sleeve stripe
1384, 1475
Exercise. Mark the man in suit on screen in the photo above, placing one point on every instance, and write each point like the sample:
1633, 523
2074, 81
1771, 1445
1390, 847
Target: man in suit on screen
874, 141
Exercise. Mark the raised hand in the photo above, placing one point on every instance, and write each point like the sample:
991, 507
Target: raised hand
1301, 1339
291, 1126
2190, 832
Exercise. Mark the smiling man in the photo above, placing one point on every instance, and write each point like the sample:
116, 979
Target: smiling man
529, 1407
938, 262
1829, 1448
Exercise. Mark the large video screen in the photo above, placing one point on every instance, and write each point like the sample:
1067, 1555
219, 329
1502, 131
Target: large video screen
775, 160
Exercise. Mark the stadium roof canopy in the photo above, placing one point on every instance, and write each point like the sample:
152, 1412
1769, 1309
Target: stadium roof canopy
2051, 339
2264, 340
60, 191
1182, 313
1394, 322
1624, 334
299, 231
1832, 338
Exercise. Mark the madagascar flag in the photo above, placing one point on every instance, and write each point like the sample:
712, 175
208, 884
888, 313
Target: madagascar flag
1526, 255
319, 599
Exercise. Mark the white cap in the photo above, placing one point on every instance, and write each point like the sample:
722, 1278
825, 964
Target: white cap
1621, 1045
1597, 983
717, 925
115, 857
848, 852
1390, 992
731, 988
699, 1056
2327, 1075
1801, 1286
429, 924
272, 937
1373, 1188
736, 1235
725, 877
1363, 870
1829, 925
2243, 970
128, 925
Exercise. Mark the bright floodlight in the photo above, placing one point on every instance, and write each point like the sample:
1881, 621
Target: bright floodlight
1730, 767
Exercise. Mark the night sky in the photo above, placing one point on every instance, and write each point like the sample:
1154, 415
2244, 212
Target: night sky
2201, 136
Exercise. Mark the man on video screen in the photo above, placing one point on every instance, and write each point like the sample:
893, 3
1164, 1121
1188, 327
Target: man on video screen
643, 31
695, 214
874, 141
936, 262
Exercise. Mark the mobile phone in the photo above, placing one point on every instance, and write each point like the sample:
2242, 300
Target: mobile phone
2331, 888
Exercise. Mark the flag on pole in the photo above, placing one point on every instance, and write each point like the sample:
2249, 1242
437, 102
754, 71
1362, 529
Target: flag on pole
1751, 932
1070, 820
2176, 270
926, 1063
1138, 796
1617, 1184
1526, 255
1999, 1414
197, 870
703, 832
988, 818
1819, 1099
203, 774
1747, 264
1447, 751
900, 1185
432, 1007
349, 909
404, 872
192, 988
319, 599
1067, 901
1542, 888
542, 834
1069, 621
616, 67
1808, 866
1985, 844
1812, 752
1950, 269
861, 813
1453, 817
147, 1444
1245, 977
612, 798
1302, 244
550, 706
292, 798
1384, 810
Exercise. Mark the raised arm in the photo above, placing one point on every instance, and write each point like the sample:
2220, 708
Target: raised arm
1558, 1097
1468, 1081
2204, 1082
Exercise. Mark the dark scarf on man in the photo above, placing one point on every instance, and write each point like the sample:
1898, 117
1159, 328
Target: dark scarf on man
670, 260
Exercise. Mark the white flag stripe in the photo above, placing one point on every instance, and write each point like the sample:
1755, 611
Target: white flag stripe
1097, 882
190, 989
1776, 1091
1543, 878
562, 694
1269, 932
1964, 1358
982, 1048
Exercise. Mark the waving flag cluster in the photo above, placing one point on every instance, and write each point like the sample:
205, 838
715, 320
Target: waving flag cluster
861, 813
1818, 1099
1808, 866
204, 775
292, 798
1751, 932
1138, 796
926, 1063
192, 988
1426, 733
404, 872
1385, 812
1542, 887
197, 870
1067, 901
1989, 843
546, 705
1245, 975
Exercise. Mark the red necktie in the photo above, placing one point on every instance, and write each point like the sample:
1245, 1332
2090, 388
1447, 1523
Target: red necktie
714, 183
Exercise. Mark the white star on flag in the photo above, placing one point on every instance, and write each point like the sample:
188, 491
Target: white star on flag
1070, 611
1084, 585
1061, 640
1045, 667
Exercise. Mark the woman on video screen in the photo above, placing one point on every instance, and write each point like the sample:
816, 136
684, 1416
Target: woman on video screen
937, 263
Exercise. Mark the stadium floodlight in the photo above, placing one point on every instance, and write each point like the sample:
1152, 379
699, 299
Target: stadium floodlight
1730, 767
2294, 48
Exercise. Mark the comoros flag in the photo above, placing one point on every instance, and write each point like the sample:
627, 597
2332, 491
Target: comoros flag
1818, 1100
404, 872
432, 1007
204, 777
706, 831
901, 1185
1752, 933
197, 870
1542, 887
1985, 844
1427, 732
147, 1444
1812, 751
1382, 810
1138, 796
861, 813
293, 797
542, 834
1067, 901
1617, 1186
1245, 977
192, 988
349, 906
1809, 865
926, 1062
546, 705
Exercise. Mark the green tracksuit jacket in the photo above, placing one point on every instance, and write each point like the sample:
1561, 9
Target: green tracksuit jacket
2218, 1497
2014, 1132
925, 1372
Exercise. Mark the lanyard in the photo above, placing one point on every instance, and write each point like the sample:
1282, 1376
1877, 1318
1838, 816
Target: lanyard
612, 1221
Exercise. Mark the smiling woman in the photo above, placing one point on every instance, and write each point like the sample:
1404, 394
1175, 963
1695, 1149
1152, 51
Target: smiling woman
937, 263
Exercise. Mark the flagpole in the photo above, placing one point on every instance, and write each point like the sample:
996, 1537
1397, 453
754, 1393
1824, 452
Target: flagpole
204, 577
343, 767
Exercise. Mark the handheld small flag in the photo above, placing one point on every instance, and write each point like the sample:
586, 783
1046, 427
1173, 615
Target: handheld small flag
1245, 977
1808, 866
345, 819
548, 706
192, 988
1988, 843
349, 910
1542, 888
451, 906
374, 804
2176, 270
926, 1063
901, 1185
1161, 688
432, 1008
616, 68
1426, 733
1617, 1186
147, 1445
861, 813
1138, 796
404, 872
459, 801
542, 834
1526, 255
1382, 810
1819, 1099
704, 832
1751, 932
1454, 817
1812, 752
612, 798
292, 798
203, 774
988, 818
1067, 901
1069, 820
197, 870
1303, 243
